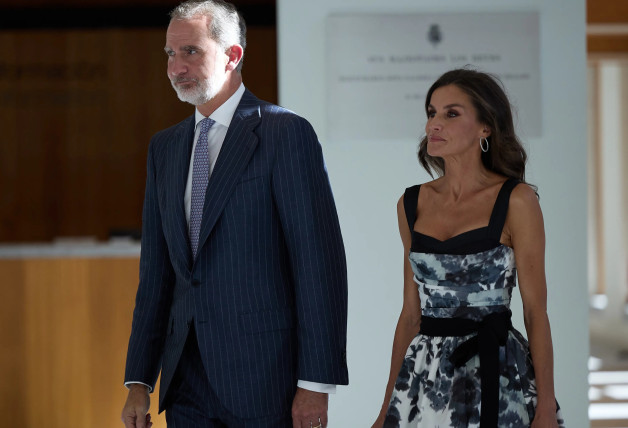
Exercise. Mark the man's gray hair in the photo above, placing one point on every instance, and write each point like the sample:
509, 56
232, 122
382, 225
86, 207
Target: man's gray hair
226, 25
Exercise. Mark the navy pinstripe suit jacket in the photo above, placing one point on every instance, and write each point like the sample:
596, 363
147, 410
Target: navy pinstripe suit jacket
268, 290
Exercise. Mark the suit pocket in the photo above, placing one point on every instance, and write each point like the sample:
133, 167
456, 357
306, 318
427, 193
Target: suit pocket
269, 320
177, 331
249, 178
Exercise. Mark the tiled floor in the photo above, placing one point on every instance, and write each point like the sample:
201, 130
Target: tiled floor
608, 391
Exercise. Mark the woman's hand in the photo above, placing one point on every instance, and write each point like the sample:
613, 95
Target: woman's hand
544, 419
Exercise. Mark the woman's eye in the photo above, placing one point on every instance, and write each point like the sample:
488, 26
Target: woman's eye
452, 114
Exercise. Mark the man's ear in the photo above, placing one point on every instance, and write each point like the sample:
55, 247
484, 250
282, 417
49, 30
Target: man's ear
234, 53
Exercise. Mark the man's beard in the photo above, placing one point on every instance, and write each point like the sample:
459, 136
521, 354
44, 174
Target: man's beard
200, 93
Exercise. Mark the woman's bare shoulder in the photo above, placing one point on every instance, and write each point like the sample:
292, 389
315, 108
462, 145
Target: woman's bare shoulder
523, 196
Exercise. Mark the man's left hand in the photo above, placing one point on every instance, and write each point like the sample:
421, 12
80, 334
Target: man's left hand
308, 408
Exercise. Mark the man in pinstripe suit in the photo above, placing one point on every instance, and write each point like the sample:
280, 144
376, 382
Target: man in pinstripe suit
245, 313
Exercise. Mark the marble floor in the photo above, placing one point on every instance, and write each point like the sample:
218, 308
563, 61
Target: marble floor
608, 385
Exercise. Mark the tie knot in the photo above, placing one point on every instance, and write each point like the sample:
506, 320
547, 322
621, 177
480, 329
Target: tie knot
206, 124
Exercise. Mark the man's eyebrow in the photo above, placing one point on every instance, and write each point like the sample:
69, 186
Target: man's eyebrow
183, 48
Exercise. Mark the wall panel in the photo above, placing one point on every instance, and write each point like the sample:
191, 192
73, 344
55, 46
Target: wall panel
66, 324
368, 178
77, 109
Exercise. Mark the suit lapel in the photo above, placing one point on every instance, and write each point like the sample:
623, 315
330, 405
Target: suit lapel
181, 156
237, 149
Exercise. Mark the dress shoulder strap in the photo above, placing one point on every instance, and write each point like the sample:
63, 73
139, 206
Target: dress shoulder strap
410, 201
500, 210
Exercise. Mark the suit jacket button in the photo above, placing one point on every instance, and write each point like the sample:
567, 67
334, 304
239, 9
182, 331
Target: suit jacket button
196, 282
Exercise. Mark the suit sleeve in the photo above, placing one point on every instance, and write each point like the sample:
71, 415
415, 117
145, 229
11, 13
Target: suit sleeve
312, 232
154, 293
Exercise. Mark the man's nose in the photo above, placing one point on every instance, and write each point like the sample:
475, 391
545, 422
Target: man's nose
176, 67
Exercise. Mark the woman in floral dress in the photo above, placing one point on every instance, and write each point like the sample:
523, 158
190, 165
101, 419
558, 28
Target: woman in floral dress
457, 361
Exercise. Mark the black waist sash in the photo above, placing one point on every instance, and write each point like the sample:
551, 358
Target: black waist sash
492, 333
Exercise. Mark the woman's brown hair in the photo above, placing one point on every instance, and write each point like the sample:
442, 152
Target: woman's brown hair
506, 155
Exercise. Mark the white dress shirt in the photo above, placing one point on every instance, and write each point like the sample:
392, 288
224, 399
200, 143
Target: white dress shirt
216, 136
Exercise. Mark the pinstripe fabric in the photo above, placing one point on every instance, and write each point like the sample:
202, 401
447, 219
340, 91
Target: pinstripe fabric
193, 404
267, 292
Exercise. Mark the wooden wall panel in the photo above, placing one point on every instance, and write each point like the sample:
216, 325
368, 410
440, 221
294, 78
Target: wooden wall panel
615, 13
607, 43
66, 324
259, 70
111, 3
607, 11
12, 331
77, 109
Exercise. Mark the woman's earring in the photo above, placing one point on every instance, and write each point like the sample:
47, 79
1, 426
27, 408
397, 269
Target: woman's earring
484, 144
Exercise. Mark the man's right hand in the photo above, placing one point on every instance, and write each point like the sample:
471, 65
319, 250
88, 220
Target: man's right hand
135, 412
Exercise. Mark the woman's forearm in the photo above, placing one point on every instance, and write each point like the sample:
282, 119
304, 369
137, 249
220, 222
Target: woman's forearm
540, 339
406, 330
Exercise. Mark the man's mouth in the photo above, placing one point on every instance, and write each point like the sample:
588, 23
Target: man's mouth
183, 81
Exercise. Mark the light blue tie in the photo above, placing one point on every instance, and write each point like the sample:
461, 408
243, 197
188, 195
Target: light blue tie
200, 178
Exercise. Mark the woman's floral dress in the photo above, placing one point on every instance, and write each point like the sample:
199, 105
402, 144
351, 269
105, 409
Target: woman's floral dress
468, 276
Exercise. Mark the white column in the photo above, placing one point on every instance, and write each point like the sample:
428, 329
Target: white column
610, 325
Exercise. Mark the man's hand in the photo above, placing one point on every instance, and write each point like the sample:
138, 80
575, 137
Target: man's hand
135, 412
308, 408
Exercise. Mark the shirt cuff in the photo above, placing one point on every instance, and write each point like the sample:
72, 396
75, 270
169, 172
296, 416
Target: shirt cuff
317, 387
304, 384
141, 383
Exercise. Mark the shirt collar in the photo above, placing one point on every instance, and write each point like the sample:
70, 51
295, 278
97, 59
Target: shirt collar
225, 112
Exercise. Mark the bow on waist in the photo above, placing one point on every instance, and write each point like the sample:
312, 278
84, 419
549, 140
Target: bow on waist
492, 332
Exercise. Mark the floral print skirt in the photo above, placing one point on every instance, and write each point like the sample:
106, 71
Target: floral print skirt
430, 392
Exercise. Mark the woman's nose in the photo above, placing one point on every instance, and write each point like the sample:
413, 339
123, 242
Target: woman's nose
434, 125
